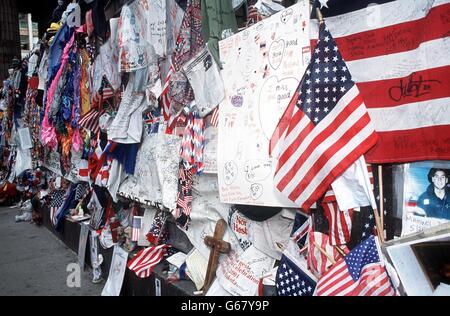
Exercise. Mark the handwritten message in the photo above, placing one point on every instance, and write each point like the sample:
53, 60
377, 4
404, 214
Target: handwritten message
239, 275
155, 179
262, 67
415, 224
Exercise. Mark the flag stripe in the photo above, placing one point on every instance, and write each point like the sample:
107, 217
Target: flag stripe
144, 262
340, 223
404, 141
394, 38
144, 258
402, 64
365, 18
413, 115
393, 92
386, 52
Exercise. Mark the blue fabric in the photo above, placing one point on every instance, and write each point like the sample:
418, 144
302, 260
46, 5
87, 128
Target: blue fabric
60, 40
126, 155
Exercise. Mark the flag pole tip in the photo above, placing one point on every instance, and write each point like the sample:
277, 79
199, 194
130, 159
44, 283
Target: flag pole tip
319, 15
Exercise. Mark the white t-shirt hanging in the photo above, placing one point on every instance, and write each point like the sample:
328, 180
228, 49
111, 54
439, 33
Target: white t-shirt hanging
156, 23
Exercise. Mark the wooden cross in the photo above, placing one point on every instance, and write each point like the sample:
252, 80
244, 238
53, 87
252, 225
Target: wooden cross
218, 246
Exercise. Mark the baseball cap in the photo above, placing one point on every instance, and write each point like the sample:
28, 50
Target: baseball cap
257, 213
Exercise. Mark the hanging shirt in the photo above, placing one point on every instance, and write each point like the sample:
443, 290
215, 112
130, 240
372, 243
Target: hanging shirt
218, 22
127, 125
106, 63
134, 50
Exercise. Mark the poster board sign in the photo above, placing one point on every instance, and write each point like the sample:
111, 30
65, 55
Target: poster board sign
262, 67
426, 196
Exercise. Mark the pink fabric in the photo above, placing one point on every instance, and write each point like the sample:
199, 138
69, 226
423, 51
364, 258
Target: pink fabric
77, 141
48, 134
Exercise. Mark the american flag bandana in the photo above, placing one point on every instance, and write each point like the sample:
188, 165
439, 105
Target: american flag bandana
193, 143
190, 39
146, 260
90, 120
184, 198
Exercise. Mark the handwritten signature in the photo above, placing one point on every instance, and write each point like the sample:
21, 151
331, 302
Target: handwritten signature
411, 88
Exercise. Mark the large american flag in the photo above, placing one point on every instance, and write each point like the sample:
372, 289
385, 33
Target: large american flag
324, 129
398, 55
146, 260
360, 273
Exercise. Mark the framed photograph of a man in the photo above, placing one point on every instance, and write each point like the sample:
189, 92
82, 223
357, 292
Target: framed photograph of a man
426, 196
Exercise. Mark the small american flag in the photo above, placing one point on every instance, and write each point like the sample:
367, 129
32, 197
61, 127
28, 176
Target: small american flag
339, 221
184, 197
145, 260
214, 120
292, 279
90, 120
360, 273
324, 129
318, 262
302, 226
137, 225
56, 201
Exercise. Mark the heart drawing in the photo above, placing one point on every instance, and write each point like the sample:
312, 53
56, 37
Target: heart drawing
276, 52
286, 15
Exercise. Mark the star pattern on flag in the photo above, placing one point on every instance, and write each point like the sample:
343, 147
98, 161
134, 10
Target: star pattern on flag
366, 253
369, 225
330, 77
291, 281
323, 3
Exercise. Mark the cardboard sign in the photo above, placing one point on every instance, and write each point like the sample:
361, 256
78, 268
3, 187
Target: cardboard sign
240, 275
262, 67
